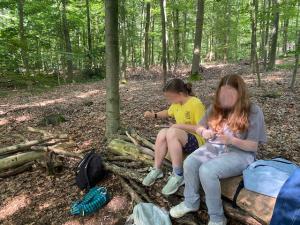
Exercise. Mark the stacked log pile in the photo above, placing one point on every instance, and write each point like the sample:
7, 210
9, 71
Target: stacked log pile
21, 157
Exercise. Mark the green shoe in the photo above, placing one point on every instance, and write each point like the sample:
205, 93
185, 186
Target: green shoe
152, 176
174, 182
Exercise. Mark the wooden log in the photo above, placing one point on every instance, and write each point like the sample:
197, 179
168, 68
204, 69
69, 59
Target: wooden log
17, 170
126, 173
19, 159
22, 146
258, 206
124, 148
134, 196
57, 150
144, 141
239, 215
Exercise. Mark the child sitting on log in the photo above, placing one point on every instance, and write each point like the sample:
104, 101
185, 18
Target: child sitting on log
187, 110
233, 128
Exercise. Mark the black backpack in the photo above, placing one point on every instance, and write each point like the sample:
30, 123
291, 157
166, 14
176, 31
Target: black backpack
90, 171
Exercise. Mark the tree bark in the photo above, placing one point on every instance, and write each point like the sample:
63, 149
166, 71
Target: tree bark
147, 26
123, 40
176, 34
164, 39
254, 58
112, 68
68, 45
274, 35
19, 159
23, 39
198, 38
297, 52
89, 35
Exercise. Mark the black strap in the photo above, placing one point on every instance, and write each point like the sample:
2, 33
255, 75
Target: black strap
86, 169
238, 190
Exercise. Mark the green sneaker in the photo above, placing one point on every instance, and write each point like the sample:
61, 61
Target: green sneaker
152, 176
174, 182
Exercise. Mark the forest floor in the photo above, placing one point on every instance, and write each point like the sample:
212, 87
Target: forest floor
35, 198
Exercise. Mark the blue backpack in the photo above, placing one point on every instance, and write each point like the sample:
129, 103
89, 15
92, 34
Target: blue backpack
287, 207
268, 176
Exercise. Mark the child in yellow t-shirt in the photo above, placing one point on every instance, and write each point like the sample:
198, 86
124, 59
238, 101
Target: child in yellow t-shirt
187, 110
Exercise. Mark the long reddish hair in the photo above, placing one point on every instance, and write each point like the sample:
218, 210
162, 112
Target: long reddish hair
237, 117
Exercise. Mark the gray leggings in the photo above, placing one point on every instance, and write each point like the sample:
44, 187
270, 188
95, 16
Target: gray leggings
207, 165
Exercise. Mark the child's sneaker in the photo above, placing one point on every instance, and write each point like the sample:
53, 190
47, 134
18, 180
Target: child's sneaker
152, 176
173, 184
180, 210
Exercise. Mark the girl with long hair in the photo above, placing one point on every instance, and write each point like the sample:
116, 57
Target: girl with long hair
233, 127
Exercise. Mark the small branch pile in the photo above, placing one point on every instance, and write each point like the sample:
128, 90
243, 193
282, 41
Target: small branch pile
130, 157
20, 157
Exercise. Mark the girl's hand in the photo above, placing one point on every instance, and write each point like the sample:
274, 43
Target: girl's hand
224, 139
205, 133
149, 114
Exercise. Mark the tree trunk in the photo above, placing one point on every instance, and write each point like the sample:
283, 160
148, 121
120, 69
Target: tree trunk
152, 41
198, 38
147, 35
123, 39
254, 58
89, 35
164, 39
183, 45
68, 45
176, 34
274, 35
23, 39
285, 36
297, 52
112, 68
266, 38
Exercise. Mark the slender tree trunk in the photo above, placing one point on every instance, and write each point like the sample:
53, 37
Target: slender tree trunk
123, 39
297, 51
285, 35
255, 64
183, 45
198, 39
266, 39
112, 68
176, 36
152, 41
274, 35
227, 34
164, 39
67, 41
89, 35
147, 35
23, 39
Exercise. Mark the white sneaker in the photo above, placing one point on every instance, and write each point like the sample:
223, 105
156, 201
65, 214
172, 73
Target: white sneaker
180, 210
224, 222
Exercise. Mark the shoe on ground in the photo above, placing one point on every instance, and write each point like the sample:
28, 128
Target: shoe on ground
174, 182
180, 210
224, 222
152, 176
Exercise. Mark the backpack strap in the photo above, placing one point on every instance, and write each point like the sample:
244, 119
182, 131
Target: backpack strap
238, 190
86, 169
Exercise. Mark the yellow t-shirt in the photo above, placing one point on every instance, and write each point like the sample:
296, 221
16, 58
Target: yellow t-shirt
189, 113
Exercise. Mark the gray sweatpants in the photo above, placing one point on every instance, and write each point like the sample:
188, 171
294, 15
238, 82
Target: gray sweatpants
207, 165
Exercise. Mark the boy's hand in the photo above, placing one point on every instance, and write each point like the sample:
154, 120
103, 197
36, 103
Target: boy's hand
149, 114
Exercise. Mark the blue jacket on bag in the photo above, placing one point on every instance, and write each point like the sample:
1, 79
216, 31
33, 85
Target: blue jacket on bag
287, 207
